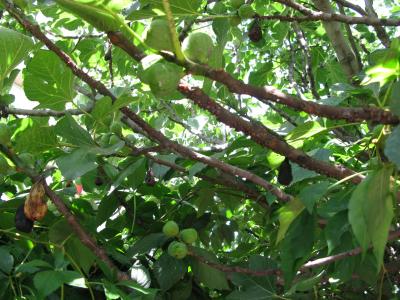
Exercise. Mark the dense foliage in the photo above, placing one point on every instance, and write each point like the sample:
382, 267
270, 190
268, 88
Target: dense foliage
193, 149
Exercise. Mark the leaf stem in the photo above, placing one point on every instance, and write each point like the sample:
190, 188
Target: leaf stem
175, 39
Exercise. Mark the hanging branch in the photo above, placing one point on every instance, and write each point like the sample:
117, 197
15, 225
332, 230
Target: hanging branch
83, 236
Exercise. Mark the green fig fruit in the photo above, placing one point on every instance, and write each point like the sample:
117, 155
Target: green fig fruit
171, 229
5, 134
198, 47
163, 78
158, 36
177, 249
237, 3
246, 11
188, 235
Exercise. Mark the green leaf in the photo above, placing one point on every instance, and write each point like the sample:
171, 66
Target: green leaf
210, 277
302, 132
6, 261
76, 163
297, 245
336, 227
14, 48
48, 80
149, 242
107, 207
152, 8
169, 270
312, 193
80, 254
395, 99
33, 266
69, 129
46, 282
136, 168
36, 139
287, 214
392, 147
371, 211
102, 108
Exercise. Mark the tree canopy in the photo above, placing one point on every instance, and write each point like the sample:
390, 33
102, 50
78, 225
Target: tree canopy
193, 149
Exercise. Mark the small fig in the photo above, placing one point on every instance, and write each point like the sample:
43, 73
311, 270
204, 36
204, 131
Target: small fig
22, 223
198, 47
171, 229
163, 78
188, 235
177, 249
158, 36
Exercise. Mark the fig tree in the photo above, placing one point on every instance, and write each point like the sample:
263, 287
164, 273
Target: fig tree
188, 235
246, 11
177, 249
198, 47
158, 36
171, 229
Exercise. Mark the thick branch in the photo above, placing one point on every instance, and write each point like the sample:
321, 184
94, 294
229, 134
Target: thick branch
269, 93
260, 135
312, 15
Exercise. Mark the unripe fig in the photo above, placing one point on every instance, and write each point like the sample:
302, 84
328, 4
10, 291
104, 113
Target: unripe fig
159, 36
198, 47
188, 235
163, 78
171, 229
5, 134
22, 223
237, 3
246, 11
177, 249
